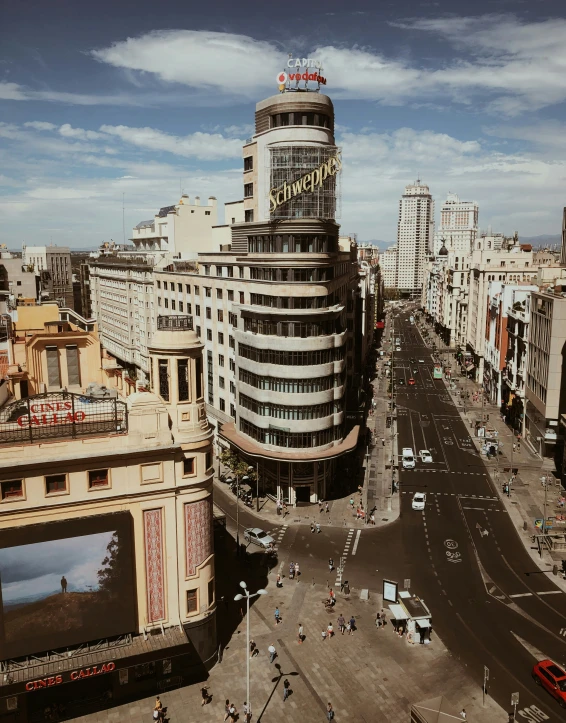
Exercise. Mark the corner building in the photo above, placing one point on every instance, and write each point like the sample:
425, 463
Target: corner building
287, 316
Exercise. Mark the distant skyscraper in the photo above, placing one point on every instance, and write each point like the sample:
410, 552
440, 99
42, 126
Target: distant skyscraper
458, 225
414, 236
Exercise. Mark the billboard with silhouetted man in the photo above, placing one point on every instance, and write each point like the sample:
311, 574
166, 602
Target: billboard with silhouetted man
65, 583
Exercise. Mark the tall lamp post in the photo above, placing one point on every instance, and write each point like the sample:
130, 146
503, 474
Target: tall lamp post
240, 596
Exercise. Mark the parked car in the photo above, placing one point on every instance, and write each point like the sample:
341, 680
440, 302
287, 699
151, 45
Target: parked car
257, 536
425, 455
419, 501
411, 382
397, 348
421, 361
552, 678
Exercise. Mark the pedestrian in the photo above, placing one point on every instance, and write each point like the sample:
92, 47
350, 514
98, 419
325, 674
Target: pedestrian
383, 618
272, 653
204, 695
227, 709
323, 634
372, 518
233, 712
253, 649
301, 635
278, 581
297, 571
320, 505
330, 630
332, 596
352, 502
382, 442
463, 714
291, 570
318, 527
341, 623
247, 711
158, 709
352, 624
421, 635
514, 447
330, 564
278, 507
329, 711
378, 619
286, 688
312, 527
277, 616
327, 508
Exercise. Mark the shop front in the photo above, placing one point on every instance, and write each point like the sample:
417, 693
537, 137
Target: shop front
66, 688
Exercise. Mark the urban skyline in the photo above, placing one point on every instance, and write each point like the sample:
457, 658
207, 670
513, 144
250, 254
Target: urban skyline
151, 107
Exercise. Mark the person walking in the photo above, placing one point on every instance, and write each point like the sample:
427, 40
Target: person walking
318, 527
463, 714
330, 564
272, 653
327, 508
253, 649
277, 615
297, 571
286, 688
247, 712
226, 709
329, 711
233, 712
330, 630
312, 527
204, 695
158, 710
278, 582
352, 503
323, 634
352, 624
320, 505
301, 634
341, 623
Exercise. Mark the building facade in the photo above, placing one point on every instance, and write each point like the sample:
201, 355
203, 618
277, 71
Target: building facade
113, 493
414, 237
388, 263
458, 226
54, 261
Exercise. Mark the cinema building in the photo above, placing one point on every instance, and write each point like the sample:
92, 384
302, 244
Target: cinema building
271, 307
106, 552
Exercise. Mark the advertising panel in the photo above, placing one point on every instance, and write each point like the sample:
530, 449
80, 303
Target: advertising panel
65, 583
437, 373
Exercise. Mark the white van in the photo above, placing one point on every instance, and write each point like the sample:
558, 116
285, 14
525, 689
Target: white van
408, 457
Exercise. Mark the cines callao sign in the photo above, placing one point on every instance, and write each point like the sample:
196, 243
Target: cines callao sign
305, 184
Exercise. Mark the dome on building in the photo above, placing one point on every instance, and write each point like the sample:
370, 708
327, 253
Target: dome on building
443, 250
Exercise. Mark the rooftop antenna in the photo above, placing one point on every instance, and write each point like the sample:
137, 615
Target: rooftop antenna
123, 220
318, 74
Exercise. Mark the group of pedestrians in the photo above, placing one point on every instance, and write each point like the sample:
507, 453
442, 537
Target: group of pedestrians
231, 712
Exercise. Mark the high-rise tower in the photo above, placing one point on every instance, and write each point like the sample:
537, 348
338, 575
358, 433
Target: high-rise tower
414, 236
458, 227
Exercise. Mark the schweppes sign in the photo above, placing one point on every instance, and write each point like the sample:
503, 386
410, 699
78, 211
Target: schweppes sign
305, 184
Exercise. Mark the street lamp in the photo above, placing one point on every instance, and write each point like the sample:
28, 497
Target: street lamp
240, 596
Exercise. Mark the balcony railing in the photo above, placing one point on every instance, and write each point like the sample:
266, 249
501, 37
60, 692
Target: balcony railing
175, 323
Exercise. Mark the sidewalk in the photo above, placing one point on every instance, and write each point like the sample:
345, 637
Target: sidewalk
370, 675
526, 501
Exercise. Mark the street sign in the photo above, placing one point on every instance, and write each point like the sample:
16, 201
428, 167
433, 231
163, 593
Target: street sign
485, 672
514, 698
407, 583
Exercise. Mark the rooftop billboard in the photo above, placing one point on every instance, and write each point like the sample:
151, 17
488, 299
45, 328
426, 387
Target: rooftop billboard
66, 583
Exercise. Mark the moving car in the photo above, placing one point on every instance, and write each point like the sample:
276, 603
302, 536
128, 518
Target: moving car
419, 501
425, 455
398, 348
408, 458
400, 382
552, 678
257, 536
412, 360
421, 361
411, 382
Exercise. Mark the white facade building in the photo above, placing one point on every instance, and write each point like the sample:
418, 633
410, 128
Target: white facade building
414, 236
458, 226
56, 260
388, 263
183, 230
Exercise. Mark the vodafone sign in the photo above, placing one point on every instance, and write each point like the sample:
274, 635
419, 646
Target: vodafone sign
301, 69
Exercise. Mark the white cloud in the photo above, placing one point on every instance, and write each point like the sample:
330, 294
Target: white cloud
207, 146
14, 91
40, 125
67, 131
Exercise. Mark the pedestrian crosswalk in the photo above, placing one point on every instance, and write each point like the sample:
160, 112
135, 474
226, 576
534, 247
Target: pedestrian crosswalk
342, 563
278, 533
453, 494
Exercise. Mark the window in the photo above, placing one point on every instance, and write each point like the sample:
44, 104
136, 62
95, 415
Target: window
232, 388
222, 404
241, 297
159, 284
208, 460
232, 364
221, 360
183, 377
188, 467
165, 285
198, 376
220, 314
98, 478
173, 304
166, 303
221, 383
192, 601
208, 290
207, 270
207, 213
249, 216
220, 337
179, 288
53, 372
163, 373
248, 190
198, 331
73, 366
55, 483
241, 272
209, 334
187, 289
12, 489
181, 306
231, 342
248, 163
208, 312
230, 295
210, 592
197, 290
197, 309
233, 411
218, 293
159, 301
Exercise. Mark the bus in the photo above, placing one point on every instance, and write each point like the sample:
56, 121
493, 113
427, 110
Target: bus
437, 372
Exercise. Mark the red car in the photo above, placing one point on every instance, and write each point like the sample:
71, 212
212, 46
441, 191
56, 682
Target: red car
411, 382
551, 677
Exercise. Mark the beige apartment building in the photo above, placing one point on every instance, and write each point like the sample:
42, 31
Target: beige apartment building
53, 264
106, 520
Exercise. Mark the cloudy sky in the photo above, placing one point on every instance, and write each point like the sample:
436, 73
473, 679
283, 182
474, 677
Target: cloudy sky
143, 99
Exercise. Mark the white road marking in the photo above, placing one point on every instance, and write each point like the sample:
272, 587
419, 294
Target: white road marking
549, 592
354, 549
522, 594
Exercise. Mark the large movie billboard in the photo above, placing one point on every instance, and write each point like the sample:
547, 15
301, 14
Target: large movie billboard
65, 583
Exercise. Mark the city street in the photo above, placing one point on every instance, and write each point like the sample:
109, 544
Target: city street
462, 555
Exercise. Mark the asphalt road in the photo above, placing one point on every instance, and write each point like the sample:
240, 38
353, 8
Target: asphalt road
461, 555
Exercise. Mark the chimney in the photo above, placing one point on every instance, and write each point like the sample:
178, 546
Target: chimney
197, 200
